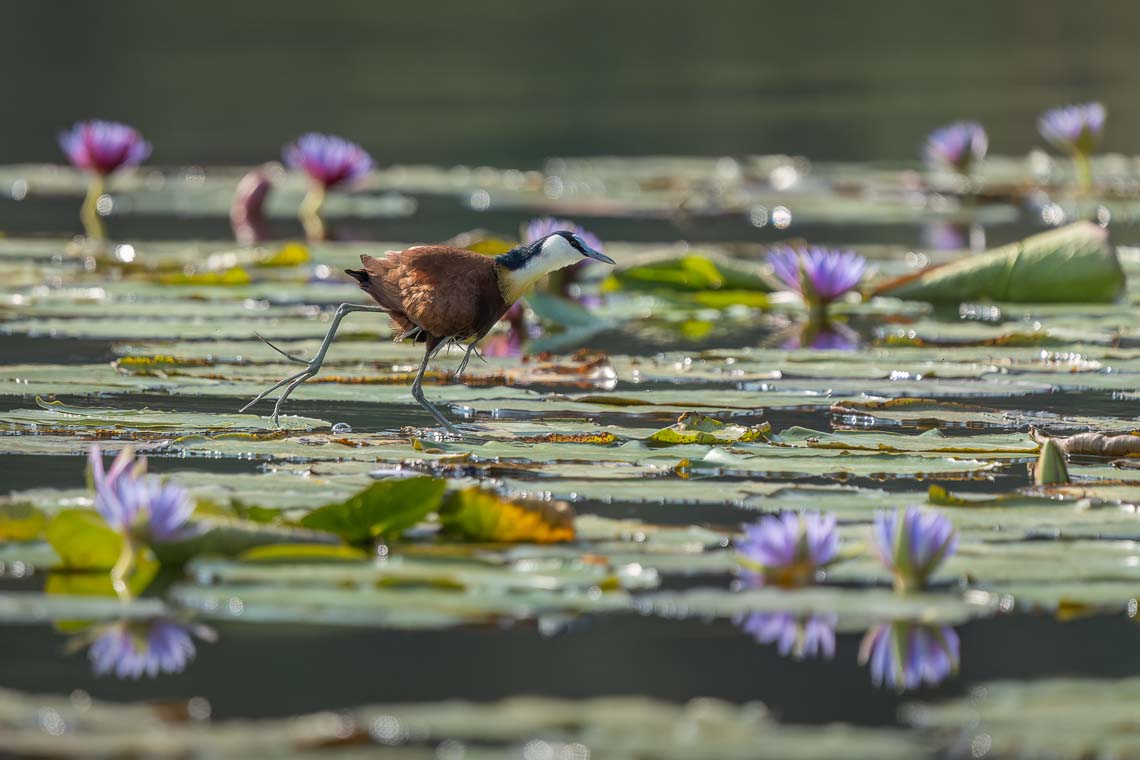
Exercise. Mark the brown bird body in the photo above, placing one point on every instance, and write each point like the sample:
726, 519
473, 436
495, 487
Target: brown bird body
441, 295
448, 293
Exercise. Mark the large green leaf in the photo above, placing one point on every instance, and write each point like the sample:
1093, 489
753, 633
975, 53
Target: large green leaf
384, 509
83, 540
1072, 264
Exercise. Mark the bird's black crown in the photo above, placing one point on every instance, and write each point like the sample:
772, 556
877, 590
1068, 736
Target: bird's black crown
517, 257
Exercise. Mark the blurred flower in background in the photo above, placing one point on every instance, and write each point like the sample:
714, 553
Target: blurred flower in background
788, 550
247, 217
101, 148
141, 507
905, 655
132, 649
134, 503
1076, 130
956, 147
912, 543
537, 229
952, 236
329, 161
819, 275
807, 637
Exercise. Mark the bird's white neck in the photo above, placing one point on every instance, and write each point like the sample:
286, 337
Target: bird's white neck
555, 254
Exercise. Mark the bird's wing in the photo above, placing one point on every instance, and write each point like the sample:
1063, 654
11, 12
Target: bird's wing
448, 291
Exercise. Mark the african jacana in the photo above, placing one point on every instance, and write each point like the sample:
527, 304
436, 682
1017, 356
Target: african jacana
439, 295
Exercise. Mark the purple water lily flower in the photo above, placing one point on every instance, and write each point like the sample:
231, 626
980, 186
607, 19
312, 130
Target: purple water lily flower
820, 275
137, 504
133, 649
1076, 129
906, 655
536, 229
956, 146
788, 550
103, 146
912, 543
800, 637
328, 160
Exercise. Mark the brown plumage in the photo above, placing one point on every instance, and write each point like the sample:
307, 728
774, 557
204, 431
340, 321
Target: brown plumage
448, 293
441, 295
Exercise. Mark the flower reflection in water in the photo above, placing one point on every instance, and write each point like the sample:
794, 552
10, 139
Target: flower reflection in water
905, 655
828, 336
808, 637
134, 648
953, 236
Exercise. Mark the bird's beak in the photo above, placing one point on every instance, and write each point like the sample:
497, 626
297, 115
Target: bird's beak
599, 256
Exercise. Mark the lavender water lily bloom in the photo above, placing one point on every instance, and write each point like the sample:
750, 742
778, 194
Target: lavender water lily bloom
819, 275
135, 504
799, 637
1075, 129
103, 147
788, 550
134, 649
912, 543
327, 159
537, 229
906, 655
957, 146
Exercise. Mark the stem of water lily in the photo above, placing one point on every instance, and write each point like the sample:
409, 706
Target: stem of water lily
310, 212
818, 317
1084, 171
89, 214
123, 568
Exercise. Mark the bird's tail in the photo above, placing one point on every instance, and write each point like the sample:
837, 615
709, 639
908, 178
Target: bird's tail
403, 326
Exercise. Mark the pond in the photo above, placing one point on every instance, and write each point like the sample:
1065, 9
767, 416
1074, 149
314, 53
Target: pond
572, 576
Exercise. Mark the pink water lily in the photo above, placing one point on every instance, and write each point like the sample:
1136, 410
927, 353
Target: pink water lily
103, 147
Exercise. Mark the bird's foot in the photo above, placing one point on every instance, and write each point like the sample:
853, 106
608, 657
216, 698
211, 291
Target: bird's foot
290, 383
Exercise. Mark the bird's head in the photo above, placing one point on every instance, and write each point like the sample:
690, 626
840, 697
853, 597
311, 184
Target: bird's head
525, 264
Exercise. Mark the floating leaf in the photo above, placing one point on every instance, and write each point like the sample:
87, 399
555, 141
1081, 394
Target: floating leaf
229, 277
83, 540
383, 510
288, 255
692, 427
302, 553
229, 537
480, 515
1073, 264
20, 521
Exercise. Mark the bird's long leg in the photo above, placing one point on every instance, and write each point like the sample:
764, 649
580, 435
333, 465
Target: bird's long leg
313, 365
418, 393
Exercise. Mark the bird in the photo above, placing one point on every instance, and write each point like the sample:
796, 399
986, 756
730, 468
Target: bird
439, 295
